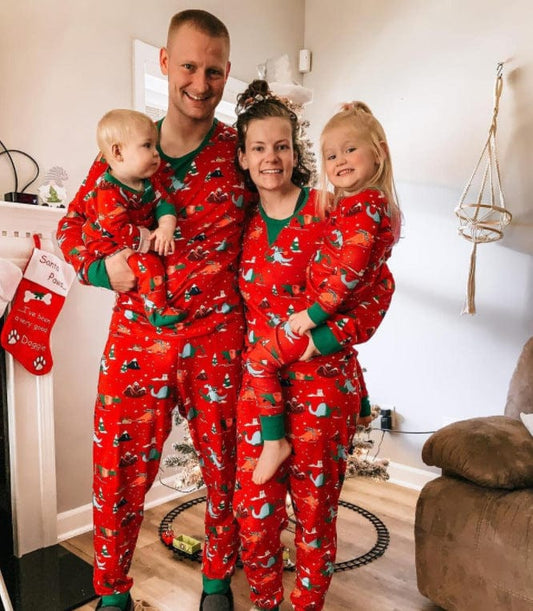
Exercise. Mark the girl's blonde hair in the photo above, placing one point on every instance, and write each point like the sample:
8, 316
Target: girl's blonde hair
119, 125
357, 116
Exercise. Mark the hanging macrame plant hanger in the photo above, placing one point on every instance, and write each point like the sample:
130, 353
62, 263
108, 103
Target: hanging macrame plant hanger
484, 220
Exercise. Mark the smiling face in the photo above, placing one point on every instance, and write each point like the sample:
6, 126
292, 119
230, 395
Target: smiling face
269, 154
197, 67
350, 159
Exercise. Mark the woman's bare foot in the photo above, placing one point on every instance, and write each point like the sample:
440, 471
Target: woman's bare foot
273, 454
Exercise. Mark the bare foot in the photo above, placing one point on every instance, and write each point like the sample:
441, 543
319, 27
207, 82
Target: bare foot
274, 453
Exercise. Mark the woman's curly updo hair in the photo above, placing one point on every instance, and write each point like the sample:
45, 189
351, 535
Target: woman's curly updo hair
258, 102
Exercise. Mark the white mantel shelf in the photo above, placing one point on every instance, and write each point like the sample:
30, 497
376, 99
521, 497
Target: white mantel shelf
30, 398
22, 221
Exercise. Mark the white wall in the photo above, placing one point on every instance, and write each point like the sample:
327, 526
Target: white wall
62, 65
427, 70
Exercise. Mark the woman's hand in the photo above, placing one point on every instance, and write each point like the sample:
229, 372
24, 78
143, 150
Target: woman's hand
310, 351
300, 322
120, 275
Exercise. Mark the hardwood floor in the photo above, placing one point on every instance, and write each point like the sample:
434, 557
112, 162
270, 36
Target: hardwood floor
386, 584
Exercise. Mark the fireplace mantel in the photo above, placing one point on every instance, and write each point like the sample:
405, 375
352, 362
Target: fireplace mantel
30, 398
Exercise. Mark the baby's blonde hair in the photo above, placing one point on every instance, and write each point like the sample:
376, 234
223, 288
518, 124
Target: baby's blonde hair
118, 126
357, 116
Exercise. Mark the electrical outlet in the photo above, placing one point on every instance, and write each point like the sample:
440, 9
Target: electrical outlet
387, 416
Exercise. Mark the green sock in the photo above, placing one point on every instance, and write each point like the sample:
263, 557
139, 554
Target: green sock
215, 586
116, 600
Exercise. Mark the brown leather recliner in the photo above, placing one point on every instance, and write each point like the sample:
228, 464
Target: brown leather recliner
474, 524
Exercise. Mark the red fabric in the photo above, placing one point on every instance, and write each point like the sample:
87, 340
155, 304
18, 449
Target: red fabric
347, 274
200, 365
321, 399
143, 375
357, 243
38, 300
265, 360
26, 331
113, 215
210, 204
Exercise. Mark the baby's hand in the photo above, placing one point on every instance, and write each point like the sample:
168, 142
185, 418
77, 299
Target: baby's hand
300, 322
162, 241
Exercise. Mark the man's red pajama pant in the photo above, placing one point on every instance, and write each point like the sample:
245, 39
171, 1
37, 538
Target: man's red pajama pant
144, 374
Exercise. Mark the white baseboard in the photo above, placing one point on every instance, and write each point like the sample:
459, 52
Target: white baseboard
409, 477
80, 520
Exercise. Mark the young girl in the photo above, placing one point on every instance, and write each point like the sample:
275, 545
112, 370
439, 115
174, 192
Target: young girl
125, 206
363, 222
322, 395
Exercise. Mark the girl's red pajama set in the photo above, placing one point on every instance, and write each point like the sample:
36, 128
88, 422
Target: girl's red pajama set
348, 268
119, 217
321, 398
146, 371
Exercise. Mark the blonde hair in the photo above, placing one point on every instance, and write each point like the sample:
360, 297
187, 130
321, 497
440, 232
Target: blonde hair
357, 116
119, 125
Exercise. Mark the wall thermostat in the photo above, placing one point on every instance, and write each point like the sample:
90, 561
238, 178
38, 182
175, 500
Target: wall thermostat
304, 63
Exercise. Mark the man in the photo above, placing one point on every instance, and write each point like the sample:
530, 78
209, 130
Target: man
145, 371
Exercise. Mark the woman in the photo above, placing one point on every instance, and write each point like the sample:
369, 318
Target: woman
322, 395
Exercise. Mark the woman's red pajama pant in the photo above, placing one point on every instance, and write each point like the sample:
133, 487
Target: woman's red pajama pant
320, 420
144, 374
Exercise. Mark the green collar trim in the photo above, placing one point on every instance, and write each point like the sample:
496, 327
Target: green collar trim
274, 226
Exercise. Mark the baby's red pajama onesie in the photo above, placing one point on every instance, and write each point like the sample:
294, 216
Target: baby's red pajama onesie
119, 217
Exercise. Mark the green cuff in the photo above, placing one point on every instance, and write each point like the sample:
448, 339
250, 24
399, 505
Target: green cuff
97, 274
324, 340
365, 408
163, 208
317, 314
215, 586
272, 427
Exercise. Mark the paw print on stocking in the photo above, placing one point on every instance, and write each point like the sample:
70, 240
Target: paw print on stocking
13, 337
39, 363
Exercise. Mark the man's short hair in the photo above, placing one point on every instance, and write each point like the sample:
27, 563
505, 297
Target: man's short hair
201, 20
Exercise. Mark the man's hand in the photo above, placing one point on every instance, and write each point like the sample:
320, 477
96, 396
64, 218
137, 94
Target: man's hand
121, 277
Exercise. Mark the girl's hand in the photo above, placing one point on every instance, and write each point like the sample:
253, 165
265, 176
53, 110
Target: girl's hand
364, 420
300, 322
310, 351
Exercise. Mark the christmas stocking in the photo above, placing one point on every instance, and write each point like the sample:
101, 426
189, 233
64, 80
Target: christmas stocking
38, 300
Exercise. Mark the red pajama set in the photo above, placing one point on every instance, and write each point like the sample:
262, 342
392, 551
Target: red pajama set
321, 399
146, 371
348, 268
119, 217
